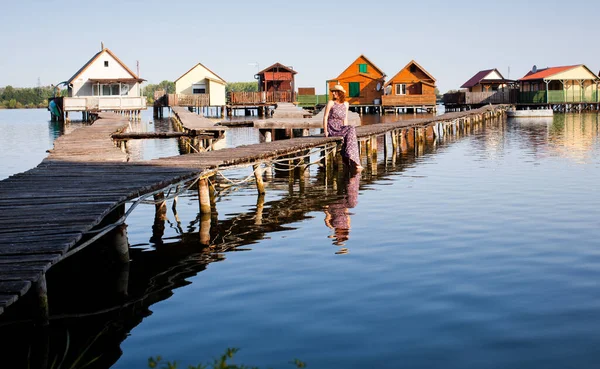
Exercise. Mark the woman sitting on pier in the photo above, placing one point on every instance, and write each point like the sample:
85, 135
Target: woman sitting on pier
335, 124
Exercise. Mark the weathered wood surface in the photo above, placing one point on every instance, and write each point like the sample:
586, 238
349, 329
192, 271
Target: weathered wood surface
46, 211
313, 122
289, 110
194, 122
145, 135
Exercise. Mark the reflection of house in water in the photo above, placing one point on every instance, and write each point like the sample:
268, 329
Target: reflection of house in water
570, 136
574, 135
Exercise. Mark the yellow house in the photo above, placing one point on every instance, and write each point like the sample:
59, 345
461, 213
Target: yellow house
201, 80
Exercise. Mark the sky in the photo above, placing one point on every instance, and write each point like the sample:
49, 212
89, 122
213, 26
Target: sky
50, 40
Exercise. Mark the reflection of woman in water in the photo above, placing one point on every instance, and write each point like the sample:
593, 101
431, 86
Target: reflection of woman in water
337, 216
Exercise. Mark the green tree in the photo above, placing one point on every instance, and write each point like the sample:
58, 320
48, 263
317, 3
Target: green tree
241, 87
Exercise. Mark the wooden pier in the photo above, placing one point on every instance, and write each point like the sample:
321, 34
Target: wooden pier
78, 193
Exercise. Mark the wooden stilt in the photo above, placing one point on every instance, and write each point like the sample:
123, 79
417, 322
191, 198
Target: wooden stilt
203, 196
260, 186
41, 291
205, 224
260, 205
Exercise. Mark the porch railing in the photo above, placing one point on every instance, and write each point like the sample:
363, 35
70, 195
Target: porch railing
312, 100
264, 97
88, 103
557, 97
188, 100
407, 100
491, 97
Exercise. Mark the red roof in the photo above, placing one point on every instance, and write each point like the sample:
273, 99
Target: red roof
477, 78
546, 72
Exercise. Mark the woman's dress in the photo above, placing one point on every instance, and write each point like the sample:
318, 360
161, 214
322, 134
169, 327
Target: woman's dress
336, 127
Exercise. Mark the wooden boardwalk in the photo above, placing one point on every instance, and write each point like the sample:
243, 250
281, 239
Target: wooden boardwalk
47, 210
196, 123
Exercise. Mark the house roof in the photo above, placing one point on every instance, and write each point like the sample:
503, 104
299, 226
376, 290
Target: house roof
357, 74
412, 62
547, 72
200, 64
477, 78
368, 61
95, 57
280, 66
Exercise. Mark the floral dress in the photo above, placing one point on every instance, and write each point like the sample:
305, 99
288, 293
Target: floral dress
336, 127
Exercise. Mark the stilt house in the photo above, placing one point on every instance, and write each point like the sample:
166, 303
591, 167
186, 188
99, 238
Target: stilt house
566, 84
104, 83
412, 86
363, 82
202, 85
277, 83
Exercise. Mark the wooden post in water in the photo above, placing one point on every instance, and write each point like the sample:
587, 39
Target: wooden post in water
41, 291
260, 186
160, 215
205, 224
122, 248
260, 205
204, 196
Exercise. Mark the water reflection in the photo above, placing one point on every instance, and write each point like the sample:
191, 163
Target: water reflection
108, 297
337, 215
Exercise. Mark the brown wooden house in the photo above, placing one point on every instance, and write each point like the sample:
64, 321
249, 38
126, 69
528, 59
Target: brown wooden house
412, 86
363, 82
278, 81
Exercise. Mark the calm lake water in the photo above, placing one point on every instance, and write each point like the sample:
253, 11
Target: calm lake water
480, 252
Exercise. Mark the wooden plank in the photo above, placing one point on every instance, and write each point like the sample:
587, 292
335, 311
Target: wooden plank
23, 259
8, 299
14, 287
20, 275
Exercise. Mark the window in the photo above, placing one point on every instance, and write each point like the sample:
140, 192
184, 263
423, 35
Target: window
354, 88
108, 90
362, 68
401, 89
199, 88
106, 63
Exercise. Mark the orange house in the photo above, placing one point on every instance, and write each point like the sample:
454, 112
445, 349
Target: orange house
363, 82
413, 86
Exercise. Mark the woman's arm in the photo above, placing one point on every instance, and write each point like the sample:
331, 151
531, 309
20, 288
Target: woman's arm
347, 108
326, 115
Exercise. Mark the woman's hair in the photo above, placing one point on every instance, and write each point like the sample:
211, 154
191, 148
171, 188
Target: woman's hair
341, 96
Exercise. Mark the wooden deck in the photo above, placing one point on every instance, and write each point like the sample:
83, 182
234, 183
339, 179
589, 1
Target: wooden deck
196, 123
48, 210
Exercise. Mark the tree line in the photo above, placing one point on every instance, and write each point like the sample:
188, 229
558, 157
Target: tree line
169, 87
25, 97
37, 97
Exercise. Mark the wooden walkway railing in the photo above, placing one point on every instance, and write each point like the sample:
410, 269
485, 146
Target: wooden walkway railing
47, 210
257, 98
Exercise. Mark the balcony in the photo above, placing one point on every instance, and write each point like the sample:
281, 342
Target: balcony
103, 103
408, 100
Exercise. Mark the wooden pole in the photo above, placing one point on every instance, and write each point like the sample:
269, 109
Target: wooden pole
203, 196
41, 291
260, 186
